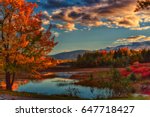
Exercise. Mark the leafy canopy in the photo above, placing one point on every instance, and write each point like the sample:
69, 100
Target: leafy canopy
23, 44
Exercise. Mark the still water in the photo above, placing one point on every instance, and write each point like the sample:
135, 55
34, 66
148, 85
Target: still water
63, 86
60, 85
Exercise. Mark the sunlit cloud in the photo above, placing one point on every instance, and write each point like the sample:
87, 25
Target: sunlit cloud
129, 21
46, 17
145, 15
132, 39
42, 29
46, 22
56, 34
96, 13
141, 28
67, 26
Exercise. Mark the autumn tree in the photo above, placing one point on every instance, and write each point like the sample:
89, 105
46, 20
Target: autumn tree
23, 44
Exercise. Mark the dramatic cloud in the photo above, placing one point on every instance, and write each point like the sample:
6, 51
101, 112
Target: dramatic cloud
126, 21
139, 38
111, 13
94, 13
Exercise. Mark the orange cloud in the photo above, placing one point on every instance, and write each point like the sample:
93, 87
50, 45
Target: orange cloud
139, 38
67, 26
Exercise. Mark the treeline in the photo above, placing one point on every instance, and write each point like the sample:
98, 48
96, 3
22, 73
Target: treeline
115, 58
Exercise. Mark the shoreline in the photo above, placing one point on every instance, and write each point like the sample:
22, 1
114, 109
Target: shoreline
13, 95
81, 74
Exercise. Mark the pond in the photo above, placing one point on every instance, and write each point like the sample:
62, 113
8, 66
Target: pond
61, 86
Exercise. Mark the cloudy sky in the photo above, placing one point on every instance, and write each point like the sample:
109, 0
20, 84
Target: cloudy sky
94, 24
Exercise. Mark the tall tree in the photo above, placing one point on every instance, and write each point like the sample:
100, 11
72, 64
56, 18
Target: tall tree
23, 44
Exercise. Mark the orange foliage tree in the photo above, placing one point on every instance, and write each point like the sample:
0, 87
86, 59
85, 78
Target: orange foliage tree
23, 44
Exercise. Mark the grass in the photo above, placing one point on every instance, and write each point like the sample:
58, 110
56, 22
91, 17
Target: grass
122, 86
34, 96
131, 97
96, 79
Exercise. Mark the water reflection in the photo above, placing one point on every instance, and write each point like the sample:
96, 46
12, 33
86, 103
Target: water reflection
65, 74
15, 86
61, 86
58, 86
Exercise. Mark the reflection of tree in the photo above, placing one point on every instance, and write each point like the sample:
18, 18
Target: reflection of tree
71, 91
36, 81
16, 84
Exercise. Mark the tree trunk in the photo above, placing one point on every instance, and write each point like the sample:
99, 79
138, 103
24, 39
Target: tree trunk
8, 81
13, 79
8, 74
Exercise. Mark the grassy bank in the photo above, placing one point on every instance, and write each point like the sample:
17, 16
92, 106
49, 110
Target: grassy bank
34, 96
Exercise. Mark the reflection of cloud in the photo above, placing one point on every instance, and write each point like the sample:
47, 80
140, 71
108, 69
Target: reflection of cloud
139, 38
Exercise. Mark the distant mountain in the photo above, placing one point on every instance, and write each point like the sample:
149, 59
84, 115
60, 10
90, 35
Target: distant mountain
69, 55
135, 45
73, 54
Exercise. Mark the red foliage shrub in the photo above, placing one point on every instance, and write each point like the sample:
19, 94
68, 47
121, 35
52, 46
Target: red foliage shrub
143, 69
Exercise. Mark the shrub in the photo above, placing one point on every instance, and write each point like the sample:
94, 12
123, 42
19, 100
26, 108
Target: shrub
128, 69
115, 74
120, 85
132, 77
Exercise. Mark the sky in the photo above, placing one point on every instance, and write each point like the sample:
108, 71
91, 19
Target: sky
94, 24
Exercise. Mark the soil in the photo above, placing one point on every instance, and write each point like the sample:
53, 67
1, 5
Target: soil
10, 97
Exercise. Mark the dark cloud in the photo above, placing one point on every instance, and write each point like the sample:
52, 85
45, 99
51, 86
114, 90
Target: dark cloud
118, 13
53, 4
50, 4
75, 15
91, 1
